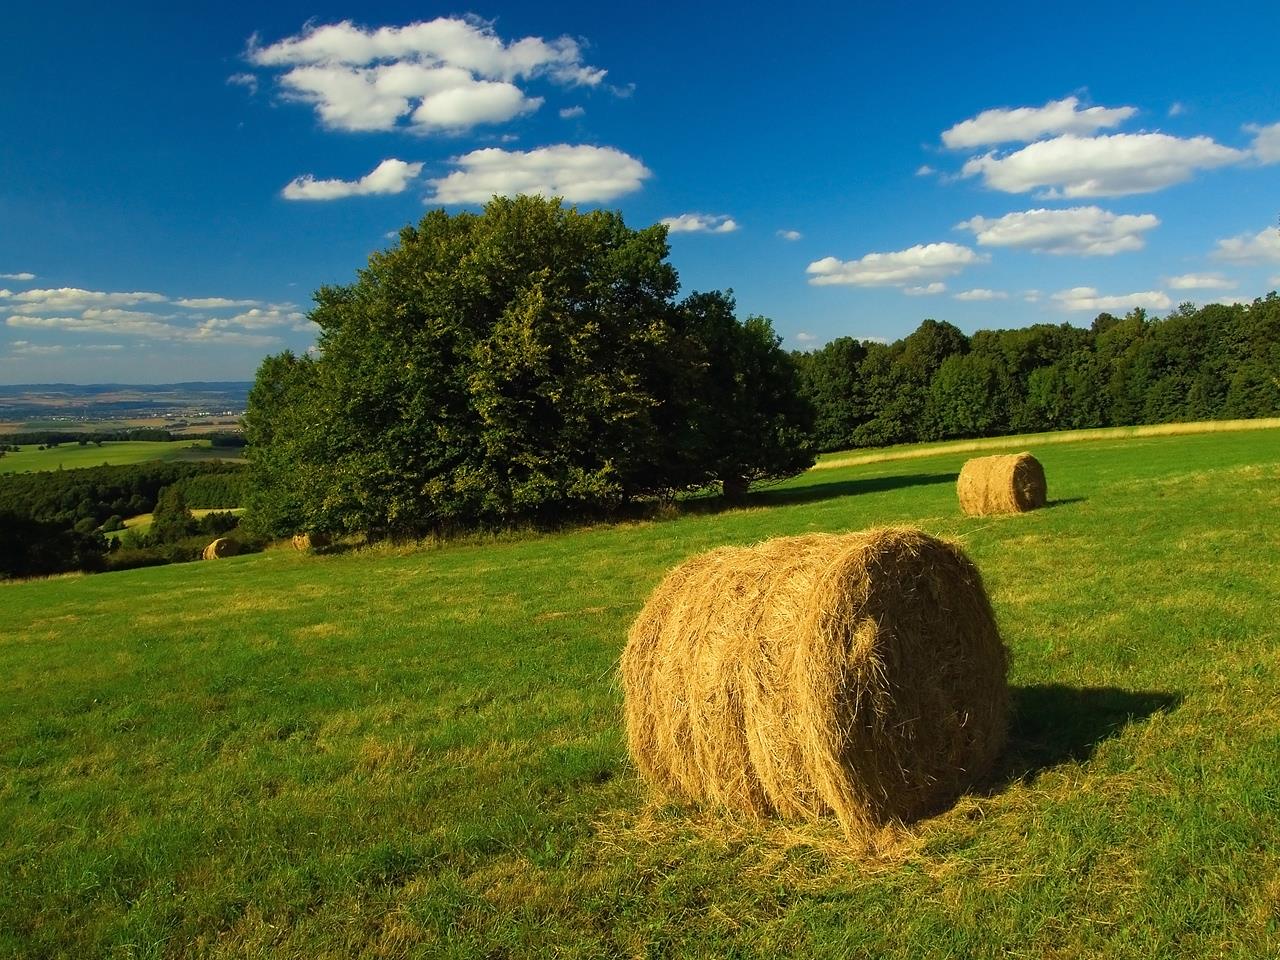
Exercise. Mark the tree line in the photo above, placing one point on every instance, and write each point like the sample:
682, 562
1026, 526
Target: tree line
1216, 362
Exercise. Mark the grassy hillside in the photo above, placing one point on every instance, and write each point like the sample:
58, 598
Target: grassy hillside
115, 452
419, 752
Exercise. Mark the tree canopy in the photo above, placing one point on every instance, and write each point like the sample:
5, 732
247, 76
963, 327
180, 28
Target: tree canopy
530, 362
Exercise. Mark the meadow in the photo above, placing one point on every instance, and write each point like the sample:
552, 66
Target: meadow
30, 458
418, 750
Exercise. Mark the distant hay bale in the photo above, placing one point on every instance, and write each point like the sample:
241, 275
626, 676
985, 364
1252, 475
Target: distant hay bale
859, 675
222, 547
1012, 483
303, 542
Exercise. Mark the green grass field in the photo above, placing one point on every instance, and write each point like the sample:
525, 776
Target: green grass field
68, 456
418, 752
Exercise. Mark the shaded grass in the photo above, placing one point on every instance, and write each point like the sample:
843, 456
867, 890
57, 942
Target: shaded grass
419, 753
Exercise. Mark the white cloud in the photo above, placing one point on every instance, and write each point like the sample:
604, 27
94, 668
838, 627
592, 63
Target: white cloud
246, 80
1261, 247
447, 74
261, 319
805, 337
1266, 142
1200, 281
981, 293
928, 290
1085, 231
1031, 296
94, 312
700, 223
213, 303
1088, 298
924, 170
63, 299
24, 277
388, 177
27, 349
579, 174
931, 261
790, 234
568, 113
1024, 124
1177, 108
1122, 163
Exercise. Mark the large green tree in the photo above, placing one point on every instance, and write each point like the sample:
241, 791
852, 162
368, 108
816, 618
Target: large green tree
529, 362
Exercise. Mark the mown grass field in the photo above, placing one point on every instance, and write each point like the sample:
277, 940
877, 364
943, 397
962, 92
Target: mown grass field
419, 752
68, 456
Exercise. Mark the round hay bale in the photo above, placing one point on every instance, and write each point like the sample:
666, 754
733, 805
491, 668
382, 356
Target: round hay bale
222, 547
310, 541
859, 675
1012, 483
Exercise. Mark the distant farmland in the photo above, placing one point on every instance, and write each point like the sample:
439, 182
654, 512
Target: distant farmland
71, 455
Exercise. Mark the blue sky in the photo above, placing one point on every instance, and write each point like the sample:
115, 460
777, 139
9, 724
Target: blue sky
176, 180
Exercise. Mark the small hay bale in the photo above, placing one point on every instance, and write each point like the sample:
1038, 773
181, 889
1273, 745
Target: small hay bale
222, 547
1012, 483
859, 675
303, 542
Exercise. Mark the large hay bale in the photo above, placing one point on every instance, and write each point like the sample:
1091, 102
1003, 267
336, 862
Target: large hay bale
859, 675
222, 547
310, 541
1012, 483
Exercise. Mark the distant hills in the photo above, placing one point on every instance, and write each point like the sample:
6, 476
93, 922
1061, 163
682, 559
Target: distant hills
75, 402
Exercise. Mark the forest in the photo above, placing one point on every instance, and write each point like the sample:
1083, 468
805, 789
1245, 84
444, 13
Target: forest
1209, 363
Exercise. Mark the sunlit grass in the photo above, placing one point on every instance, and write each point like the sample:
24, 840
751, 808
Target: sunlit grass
67, 456
404, 752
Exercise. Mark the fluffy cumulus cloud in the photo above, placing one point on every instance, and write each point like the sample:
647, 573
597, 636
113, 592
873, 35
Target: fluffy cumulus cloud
805, 337
700, 223
1088, 298
388, 177
1200, 281
147, 317
1085, 231
926, 290
1266, 143
449, 74
1115, 165
921, 263
579, 174
23, 277
981, 293
791, 235
1024, 124
1260, 247
569, 113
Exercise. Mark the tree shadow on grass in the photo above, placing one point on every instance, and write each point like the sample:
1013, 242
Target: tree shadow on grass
813, 492
1053, 724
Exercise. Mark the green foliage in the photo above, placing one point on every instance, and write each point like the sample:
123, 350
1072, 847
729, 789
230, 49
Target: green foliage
172, 518
1216, 362
30, 548
526, 364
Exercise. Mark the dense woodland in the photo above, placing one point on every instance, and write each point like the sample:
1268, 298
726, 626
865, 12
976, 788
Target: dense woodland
1216, 362
54, 520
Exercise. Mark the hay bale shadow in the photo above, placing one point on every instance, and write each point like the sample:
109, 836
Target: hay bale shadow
1065, 502
1053, 724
